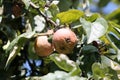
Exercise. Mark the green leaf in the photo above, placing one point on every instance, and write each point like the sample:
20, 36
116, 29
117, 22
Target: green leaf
94, 30
103, 3
70, 16
101, 72
115, 39
57, 75
63, 62
115, 28
39, 22
92, 18
118, 55
88, 49
114, 16
62, 76
27, 3
116, 1
31, 51
20, 40
12, 55
54, 10
64, 5
107, 61
16, 44
113, 45
89, 55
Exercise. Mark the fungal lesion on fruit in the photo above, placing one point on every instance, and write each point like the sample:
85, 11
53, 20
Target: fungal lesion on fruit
67, 40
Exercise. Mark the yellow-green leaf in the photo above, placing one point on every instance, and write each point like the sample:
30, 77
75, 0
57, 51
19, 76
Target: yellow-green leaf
70, 16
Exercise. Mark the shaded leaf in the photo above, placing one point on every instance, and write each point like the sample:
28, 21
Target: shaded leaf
103, 3
114, 16
64, 5
31, 51
89, 55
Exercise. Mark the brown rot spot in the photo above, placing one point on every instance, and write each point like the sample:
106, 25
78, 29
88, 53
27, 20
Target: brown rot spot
67, 40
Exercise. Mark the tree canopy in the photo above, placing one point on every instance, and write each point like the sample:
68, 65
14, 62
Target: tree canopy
95, 55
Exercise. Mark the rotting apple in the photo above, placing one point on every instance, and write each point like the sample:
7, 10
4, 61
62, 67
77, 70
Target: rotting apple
42, 47
64, 40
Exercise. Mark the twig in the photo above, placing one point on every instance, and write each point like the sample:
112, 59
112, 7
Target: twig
41, 34
86, 6
42, 14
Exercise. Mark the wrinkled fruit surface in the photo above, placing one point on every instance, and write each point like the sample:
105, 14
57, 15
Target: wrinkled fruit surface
42, 46
64, 40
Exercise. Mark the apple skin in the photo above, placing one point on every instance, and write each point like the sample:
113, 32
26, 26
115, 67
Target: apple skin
64, 40
42, 47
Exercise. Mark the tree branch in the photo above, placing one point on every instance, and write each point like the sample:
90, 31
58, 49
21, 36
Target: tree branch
42, 14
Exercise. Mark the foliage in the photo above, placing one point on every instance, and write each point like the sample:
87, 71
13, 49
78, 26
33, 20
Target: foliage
96, 55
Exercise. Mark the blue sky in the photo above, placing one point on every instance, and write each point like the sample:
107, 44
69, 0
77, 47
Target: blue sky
110, 7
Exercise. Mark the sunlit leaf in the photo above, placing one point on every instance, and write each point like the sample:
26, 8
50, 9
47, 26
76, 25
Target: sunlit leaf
39, 23
20, 40
114, 46
100, 71
92, 18
54, 10
16, 45
115, 28
62, 76
115, 39
110, 63
118, 55
12, 55
70, 16
63, 62
27, 3
94, 30
57, 75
